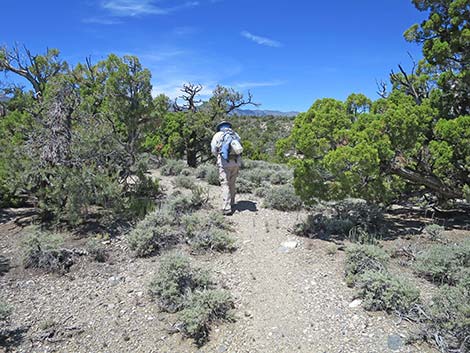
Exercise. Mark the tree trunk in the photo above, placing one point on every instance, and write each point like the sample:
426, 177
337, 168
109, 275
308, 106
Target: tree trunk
191, 158
431, 182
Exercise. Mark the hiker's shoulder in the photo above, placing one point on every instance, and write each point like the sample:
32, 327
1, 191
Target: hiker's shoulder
218, 135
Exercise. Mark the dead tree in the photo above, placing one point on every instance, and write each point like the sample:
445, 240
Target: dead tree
37, 69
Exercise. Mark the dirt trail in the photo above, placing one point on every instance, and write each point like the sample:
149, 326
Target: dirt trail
294, 299
288, 299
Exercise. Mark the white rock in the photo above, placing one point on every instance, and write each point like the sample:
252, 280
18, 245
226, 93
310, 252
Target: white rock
290, 244
355, 303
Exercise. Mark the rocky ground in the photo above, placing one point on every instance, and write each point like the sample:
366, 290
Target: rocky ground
289, 292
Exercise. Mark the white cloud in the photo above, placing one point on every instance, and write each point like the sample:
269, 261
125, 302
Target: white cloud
172, 88
243, 85
261, 40
101, 21
132, 8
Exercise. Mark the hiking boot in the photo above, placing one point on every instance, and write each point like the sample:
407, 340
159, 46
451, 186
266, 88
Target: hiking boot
227, 212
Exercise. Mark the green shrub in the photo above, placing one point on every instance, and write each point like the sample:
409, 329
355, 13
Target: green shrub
443, 263
172, 167
184, 181
142, 199
217, 220
154, 233
434, 231
282, 198
96, 250
213, 239
256, 176
181, 204
244, 186
209, 173
5, 311
382, 291
204, 308
199, 197
192, 223
351, 218
449, 318
281, 177
364, 258
463, 277
262, 191
360, 236
42, 250
359, 213
175, 280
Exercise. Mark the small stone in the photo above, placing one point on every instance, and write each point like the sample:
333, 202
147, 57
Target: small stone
394, 342
355, 303
288, 245
221, 349
248, 313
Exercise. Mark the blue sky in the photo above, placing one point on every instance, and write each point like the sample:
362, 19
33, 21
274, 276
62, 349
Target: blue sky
287, 53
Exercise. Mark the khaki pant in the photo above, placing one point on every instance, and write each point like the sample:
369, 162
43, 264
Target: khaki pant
228, 172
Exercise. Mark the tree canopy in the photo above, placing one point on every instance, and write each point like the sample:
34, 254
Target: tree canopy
413, 140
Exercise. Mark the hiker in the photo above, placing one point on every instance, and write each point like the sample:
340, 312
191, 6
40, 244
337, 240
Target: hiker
227, 148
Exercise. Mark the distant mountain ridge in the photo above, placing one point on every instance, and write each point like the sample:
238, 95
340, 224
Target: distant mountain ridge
259, 112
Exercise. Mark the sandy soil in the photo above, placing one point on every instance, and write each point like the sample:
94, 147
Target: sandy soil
290, 297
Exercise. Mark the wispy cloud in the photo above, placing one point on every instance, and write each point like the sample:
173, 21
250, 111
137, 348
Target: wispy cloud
243, 85
261, 40
133, 8
101, 21
172, 88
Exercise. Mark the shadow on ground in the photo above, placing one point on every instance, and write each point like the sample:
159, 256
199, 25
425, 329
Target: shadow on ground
4, 265
246, 206
401, 222
16, 214
11, 338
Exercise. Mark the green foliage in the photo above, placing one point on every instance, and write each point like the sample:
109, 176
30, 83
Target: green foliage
346, 155
382, 291
443, 263
364, 258
172, 167
180, 204
204, 308
212, 239
434, 231
96, 250
449, 321
208, 233
282, 198
13, 130
154, 233
445, 37
175, 280
5, 311
260, 134
80, 153
187, 132
354, 219
183, 181
213, 177
256, 176
415, 139
42, 250
244, 186
262, 191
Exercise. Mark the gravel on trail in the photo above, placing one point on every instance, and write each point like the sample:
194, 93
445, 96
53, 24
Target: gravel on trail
289, 292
